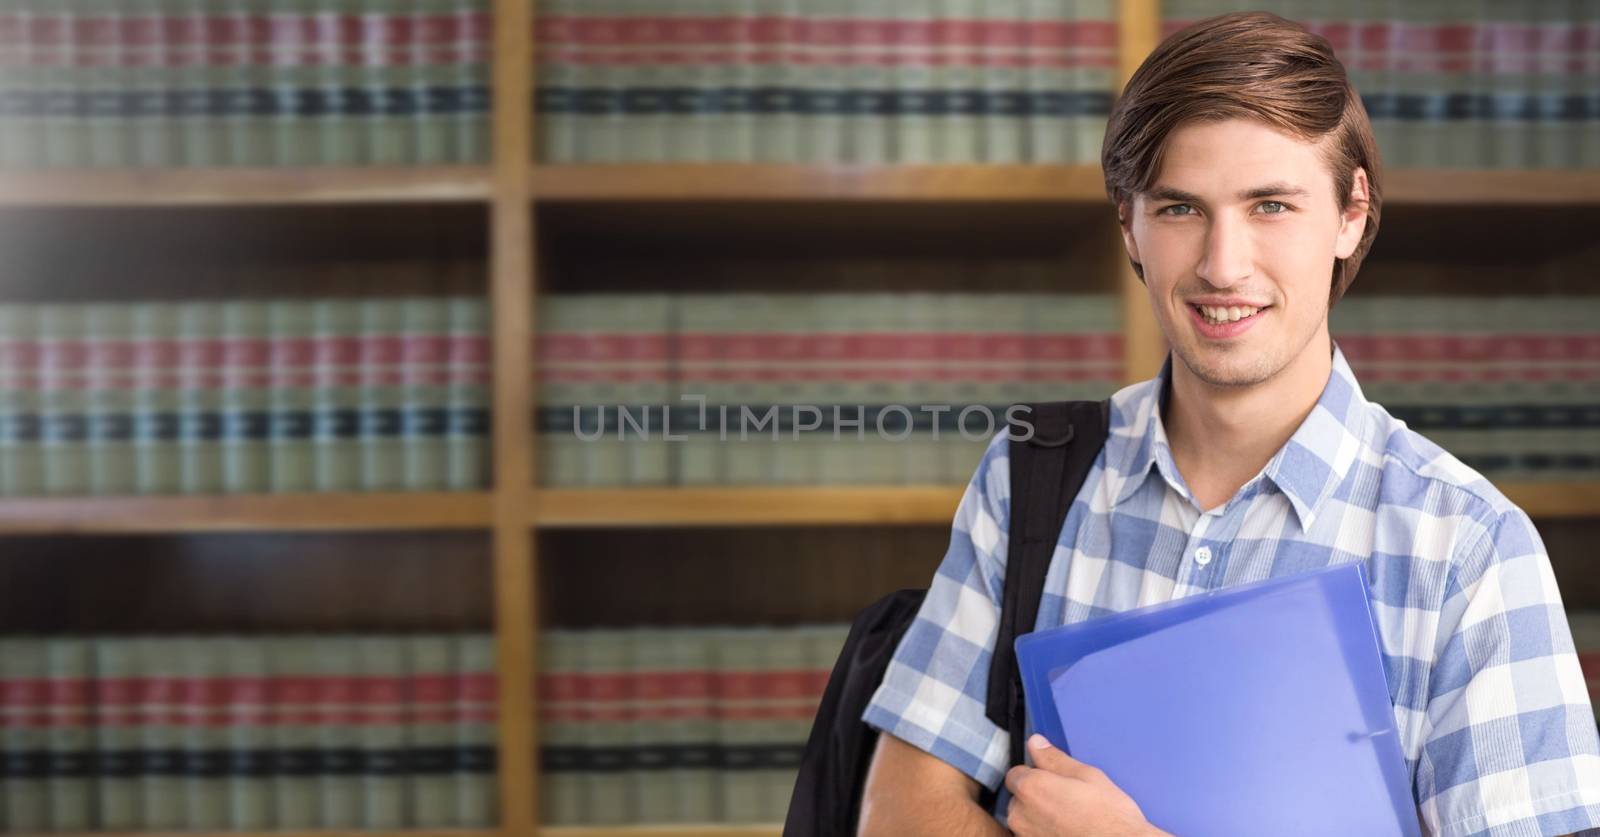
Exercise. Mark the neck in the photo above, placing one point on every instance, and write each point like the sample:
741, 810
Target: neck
1221, 437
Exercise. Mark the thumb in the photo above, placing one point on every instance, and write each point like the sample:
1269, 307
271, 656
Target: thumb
1055, 760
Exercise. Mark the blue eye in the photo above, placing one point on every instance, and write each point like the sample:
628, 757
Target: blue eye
1281, 207
1167, 210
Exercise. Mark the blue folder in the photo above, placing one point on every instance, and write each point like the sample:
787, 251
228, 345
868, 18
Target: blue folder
1253, 710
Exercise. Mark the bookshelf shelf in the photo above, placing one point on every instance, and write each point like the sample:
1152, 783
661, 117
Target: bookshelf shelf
1496, 187
664, 831
757, 182
244, 187
752, 506
247, 512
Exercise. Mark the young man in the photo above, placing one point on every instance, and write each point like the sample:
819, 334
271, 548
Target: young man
1246, 180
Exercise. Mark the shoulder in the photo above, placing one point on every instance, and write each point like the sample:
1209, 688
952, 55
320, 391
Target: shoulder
1452, 507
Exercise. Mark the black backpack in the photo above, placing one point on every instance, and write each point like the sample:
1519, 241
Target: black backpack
1046, 473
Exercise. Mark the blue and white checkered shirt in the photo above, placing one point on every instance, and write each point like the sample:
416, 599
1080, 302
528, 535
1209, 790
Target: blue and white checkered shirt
1493, 714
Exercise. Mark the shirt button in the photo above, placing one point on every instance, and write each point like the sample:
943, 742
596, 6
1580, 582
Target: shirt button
1202, 556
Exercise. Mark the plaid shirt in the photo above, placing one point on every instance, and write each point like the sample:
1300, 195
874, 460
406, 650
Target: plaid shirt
1493, 714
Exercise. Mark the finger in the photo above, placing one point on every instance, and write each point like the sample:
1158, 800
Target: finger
1014, 777
1055, 760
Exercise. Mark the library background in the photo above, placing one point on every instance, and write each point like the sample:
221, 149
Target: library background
306, 304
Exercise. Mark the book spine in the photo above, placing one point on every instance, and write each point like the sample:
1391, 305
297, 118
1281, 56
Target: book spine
472, 81
65, 141
113, 467
159, 399
18, 373
205, 740
607, 664
430, 50
292, 396
295, 66
434, 687
24, 740
64, 415
336, 325
246, 397
382, 395
425, 398
73, 784
343, 794
297, 694
347, 101
467, 440
161, 768
201, 370
105, 97
561, 785
251, 715
118, 719
383, 699
477, 797
385, 41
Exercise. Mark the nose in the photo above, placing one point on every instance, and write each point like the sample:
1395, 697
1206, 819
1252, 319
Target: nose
1227, 258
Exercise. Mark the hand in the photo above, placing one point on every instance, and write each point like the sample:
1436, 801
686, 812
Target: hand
1063, 797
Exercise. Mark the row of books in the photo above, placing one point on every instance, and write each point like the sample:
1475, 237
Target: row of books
216, 733
681, 725
244, 396
1509, 385
180, 83
638, 725
824, 81
832, 388
1458, 84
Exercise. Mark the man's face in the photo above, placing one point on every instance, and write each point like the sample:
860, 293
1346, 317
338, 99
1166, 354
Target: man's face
1241, 217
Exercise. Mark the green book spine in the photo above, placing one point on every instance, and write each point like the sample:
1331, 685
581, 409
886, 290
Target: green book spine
161, 787
611, 799
16, 380
205, 744
156, 142
653, 732
293, 75
201, 364
433, 702
117, 731
66, 144
158, 399
104, 118
468, 439
472, 77
113, 461
477, 797
336, 325
647, 456
390, 139
62, 330
432, 53
343, 143
24, 664
560, 457
386, 783
343, 795
557, 139
246, 397
561, 785
425, 399
249, 124
383, 455
741, 788
17, 84
293, 398
203, 141
249, 733
296, 785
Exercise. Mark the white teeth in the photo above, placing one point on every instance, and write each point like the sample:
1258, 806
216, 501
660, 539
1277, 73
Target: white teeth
1226, 314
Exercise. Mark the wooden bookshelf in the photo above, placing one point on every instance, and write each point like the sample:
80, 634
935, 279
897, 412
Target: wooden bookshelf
748, 506
245, 513
665, 831
245, 187
532, 210
732, 182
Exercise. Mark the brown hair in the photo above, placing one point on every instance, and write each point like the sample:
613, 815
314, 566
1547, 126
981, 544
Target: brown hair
1252, 65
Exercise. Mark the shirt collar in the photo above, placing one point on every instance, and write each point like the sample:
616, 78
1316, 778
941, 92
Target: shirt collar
1307, 469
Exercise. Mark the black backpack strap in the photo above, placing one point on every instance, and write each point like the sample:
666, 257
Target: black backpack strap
1047, 472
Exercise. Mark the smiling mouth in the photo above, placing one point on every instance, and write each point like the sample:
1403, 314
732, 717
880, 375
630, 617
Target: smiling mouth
1233, 315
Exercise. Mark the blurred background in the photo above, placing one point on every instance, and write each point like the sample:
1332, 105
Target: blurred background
310, 308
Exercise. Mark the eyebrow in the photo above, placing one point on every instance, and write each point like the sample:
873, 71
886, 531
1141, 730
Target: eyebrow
1269, 190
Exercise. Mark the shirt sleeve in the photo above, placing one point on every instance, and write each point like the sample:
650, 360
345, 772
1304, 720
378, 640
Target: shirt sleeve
934, 692
1511, 747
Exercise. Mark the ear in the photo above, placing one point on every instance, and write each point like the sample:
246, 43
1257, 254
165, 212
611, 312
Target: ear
1125, 223
1353, 222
